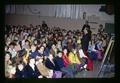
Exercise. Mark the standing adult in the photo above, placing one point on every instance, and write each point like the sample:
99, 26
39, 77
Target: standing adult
85, 40
86, 25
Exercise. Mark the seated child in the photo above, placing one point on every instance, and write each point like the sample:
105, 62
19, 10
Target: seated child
43, 69
33, 53
65, 57
92, 52
20, 72
73, 57
32, 70
51, 64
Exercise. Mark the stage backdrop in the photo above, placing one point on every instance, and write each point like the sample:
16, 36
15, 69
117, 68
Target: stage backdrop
63, 16
63, 11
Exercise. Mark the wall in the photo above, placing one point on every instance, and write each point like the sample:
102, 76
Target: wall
69, 24
70, 10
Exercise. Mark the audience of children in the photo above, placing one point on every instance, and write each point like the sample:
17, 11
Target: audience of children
44, 52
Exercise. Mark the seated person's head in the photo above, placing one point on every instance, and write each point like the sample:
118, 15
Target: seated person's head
39, 59
50, 56
43, 39
79, 33
65, 51
27, 42
6, 47
69, 32
53, 46
59, 47
22, 52
59, 54
31, 60
8, 40
74, 38
33, 48
41, 50
69, 40
12, 45
20, 66
59, 42
7, 56
35, 41
15, 38
74, 51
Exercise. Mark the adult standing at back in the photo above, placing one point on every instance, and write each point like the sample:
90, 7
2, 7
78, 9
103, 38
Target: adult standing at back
85, 40
45, 26
85, 25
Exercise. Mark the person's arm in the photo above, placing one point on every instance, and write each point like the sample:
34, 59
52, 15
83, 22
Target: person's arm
48, 64
82, 54
26, 71
66, 60
37, 72
93, 48
17, 75
83, 28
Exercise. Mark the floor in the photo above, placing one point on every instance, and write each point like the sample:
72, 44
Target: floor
94, 73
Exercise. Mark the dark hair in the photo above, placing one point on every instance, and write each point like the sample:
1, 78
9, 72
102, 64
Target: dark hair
87, 28
20, 62
27, 40
30, 59
12, 43
22, 52
59, 52
100, 25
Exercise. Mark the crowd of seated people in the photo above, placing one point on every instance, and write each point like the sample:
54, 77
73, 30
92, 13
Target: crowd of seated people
43, 52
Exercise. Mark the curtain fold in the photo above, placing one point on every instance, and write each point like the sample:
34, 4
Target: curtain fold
68, 11
65, 11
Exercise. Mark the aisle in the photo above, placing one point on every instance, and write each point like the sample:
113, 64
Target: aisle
90, 74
